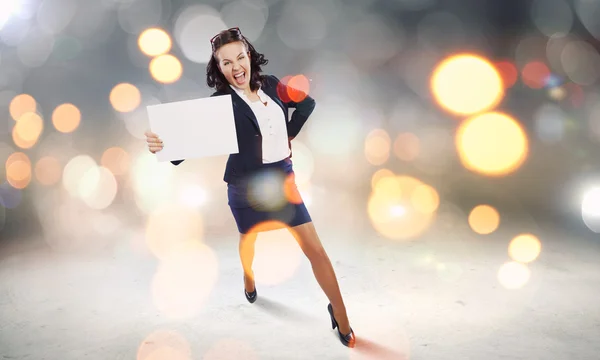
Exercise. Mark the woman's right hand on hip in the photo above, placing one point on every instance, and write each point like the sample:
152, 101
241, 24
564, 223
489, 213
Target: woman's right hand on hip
155, 144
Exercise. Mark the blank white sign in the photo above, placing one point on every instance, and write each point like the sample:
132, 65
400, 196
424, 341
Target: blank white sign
193, 129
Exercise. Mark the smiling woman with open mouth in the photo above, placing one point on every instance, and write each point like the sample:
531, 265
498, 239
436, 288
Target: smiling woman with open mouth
264, 133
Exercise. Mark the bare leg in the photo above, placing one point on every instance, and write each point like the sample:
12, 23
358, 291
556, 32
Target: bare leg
307, 238
247, 242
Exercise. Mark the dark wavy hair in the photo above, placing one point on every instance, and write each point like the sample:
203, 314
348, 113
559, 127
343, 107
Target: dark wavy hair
215, 78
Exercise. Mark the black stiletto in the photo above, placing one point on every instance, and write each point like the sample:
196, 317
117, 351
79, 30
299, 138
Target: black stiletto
348, 339
250, 296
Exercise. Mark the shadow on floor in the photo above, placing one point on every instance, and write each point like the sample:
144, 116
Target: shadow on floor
284, 311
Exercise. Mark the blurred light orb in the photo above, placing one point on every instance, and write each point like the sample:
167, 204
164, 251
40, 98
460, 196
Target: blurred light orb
581, 62
557, 93
19, 174
513, 275
576, 94
35, 48
590, 209
389, 186
298, 87
116, 159
166, 69
125, 97
278, 255
149, 174
53, 16
535, 74
554, 80
134, 16
371, 39
184, 280
151, 181
194, 27
466, 84
74, 171
550, 123
378, 147
484, 219
98, 187
301, 25
22, 104
27, 130
154, 42
18, 170
193, 196
249, 15
407, 146
379, 175
48, 170
66, 118
492, 144
399, 208
171, 226
266, 191
552, 17
425, 199
587, 11
136, 122
524, 248
508, 71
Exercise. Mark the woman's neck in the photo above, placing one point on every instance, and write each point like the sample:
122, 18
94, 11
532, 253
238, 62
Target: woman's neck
248, 91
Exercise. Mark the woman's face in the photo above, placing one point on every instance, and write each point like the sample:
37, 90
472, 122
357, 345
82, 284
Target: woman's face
234, 63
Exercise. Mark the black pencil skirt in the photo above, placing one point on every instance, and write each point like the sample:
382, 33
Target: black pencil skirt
268, 199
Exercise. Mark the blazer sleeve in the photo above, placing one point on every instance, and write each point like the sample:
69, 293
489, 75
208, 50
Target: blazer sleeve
177, 162
302, 110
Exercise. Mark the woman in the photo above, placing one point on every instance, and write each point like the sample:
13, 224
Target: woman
264, 134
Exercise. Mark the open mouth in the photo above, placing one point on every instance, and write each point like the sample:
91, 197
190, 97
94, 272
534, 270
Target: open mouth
240, 78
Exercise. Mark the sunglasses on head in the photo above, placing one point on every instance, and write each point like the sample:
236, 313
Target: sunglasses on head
233, 29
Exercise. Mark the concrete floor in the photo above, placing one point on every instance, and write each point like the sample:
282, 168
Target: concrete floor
437, 297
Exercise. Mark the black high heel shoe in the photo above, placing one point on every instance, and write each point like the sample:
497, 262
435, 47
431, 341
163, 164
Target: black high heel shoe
348, 339
250, 296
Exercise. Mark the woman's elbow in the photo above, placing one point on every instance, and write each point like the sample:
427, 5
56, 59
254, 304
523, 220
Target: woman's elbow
313, 104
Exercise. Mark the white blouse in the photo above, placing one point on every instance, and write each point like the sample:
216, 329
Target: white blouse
272, 126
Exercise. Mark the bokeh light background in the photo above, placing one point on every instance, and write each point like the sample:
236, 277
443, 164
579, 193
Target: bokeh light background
430, 115
422, 107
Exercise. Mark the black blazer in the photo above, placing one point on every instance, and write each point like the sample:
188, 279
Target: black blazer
249, 137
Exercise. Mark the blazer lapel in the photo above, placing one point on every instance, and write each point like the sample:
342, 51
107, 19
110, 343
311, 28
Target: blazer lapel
240, 105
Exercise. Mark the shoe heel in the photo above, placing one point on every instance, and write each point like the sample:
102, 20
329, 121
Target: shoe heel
333, 321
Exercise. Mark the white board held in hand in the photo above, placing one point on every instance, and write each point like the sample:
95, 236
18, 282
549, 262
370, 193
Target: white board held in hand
194, 128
